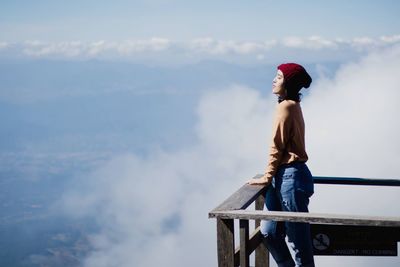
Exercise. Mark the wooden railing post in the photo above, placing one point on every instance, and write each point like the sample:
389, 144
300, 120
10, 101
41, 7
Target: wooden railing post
262, 253
225, 242
244, 243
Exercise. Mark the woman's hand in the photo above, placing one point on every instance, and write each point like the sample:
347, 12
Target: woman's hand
265, 180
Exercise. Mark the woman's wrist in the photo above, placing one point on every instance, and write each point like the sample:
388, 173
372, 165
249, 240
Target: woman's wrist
265, 179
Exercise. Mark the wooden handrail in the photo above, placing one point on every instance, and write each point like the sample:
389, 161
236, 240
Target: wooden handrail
318, 218
243, 197
234, 208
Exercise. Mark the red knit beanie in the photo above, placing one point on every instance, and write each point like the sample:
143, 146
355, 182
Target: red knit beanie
295, 76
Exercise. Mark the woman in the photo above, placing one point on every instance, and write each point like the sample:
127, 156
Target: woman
291, 181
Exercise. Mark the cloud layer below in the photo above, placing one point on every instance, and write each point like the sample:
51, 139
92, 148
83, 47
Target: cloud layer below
152, 210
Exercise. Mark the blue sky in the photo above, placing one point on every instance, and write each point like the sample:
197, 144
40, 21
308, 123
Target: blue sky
182, 20
172, 32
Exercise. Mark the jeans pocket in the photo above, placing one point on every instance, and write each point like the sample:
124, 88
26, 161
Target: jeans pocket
305, 183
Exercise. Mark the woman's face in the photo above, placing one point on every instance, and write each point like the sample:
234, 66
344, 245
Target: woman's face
277, 84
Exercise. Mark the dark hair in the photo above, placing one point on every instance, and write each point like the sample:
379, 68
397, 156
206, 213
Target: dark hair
291, 94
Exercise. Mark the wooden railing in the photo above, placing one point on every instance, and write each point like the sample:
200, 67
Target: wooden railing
235, 208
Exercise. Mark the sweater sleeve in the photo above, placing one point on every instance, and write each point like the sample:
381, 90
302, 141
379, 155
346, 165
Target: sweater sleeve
280, 136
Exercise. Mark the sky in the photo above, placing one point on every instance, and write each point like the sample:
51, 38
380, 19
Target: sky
175, 31
142, 116
180, 20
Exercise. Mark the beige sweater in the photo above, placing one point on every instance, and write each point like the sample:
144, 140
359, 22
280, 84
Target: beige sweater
287, 137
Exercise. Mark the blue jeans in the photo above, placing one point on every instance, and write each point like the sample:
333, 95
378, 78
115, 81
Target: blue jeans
290, 190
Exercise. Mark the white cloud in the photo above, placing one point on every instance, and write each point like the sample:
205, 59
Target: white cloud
96, 48
41, 49
312, 43
77, 49
159, 48
134, 46
391, 39
220, 47
361, 102
318, 42
365, 43
356, 44
134, 199
352, 130
3, 45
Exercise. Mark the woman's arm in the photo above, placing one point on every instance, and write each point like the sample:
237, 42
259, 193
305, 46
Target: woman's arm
280, 136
